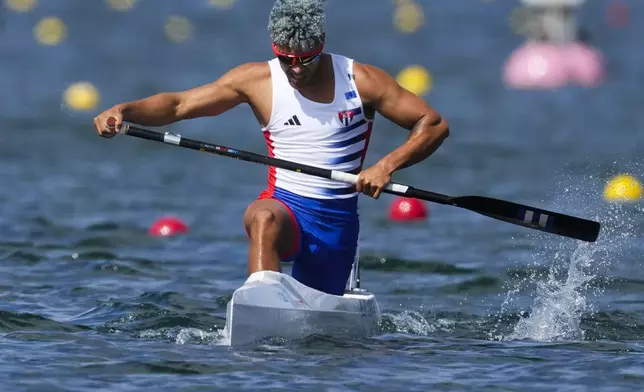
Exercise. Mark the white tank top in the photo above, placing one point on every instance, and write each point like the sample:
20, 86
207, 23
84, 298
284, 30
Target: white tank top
328, 135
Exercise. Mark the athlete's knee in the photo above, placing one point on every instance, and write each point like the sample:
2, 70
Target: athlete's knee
264, 222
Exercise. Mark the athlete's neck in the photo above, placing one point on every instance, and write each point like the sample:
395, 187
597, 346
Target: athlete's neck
321, 81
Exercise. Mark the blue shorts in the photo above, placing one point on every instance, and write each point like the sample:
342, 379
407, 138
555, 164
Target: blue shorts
327, 239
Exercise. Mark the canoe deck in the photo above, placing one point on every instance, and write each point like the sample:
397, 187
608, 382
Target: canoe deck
273, 304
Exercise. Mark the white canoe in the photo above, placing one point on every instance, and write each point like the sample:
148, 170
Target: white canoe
273, 304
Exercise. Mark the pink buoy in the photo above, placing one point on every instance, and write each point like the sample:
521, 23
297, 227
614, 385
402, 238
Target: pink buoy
536, 65
407, 209
167, 226
585, 65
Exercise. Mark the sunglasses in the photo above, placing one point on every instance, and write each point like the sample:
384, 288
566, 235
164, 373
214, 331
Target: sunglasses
303, 59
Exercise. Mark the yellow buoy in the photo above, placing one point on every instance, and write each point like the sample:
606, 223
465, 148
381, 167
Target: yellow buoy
50, 31
416, 79
21, 5
408, 16
178, 28
623, 188
81, 96
223, 4
121, 5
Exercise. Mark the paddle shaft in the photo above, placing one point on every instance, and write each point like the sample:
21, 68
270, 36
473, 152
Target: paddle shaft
518, 214
169, 138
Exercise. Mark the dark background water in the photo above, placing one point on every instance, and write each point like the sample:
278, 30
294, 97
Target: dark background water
89, 301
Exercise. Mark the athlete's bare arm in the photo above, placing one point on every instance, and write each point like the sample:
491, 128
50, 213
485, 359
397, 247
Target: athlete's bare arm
428, 129
237, 86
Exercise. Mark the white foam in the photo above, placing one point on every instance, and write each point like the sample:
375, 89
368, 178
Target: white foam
563, 297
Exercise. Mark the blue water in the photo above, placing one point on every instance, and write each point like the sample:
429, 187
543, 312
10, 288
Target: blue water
89, 301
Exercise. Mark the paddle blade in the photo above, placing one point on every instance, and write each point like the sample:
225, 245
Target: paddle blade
534, 218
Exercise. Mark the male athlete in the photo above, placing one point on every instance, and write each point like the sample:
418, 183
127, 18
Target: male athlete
315, 108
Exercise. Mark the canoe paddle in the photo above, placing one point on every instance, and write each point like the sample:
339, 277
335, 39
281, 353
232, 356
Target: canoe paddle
518, 214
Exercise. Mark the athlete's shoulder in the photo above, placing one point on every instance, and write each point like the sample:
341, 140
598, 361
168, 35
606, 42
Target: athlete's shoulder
369, 72
252, 71
371, 81
246, 78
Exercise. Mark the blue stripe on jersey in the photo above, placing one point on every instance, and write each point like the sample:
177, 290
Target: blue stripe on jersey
346, 158
352, 126
350, 141
351, 94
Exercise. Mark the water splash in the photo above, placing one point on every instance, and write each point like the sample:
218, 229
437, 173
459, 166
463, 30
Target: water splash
406, 322
564, 294
180, 335
559, 304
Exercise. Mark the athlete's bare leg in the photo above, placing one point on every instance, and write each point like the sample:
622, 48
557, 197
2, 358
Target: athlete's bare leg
272, 233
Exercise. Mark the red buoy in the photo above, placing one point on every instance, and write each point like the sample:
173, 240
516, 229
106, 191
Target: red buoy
167, 226
618, 14
407, 209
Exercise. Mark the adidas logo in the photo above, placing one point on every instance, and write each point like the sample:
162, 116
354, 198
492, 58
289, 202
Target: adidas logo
293, 121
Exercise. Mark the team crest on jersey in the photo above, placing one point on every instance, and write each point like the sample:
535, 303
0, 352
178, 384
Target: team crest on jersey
346, 117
